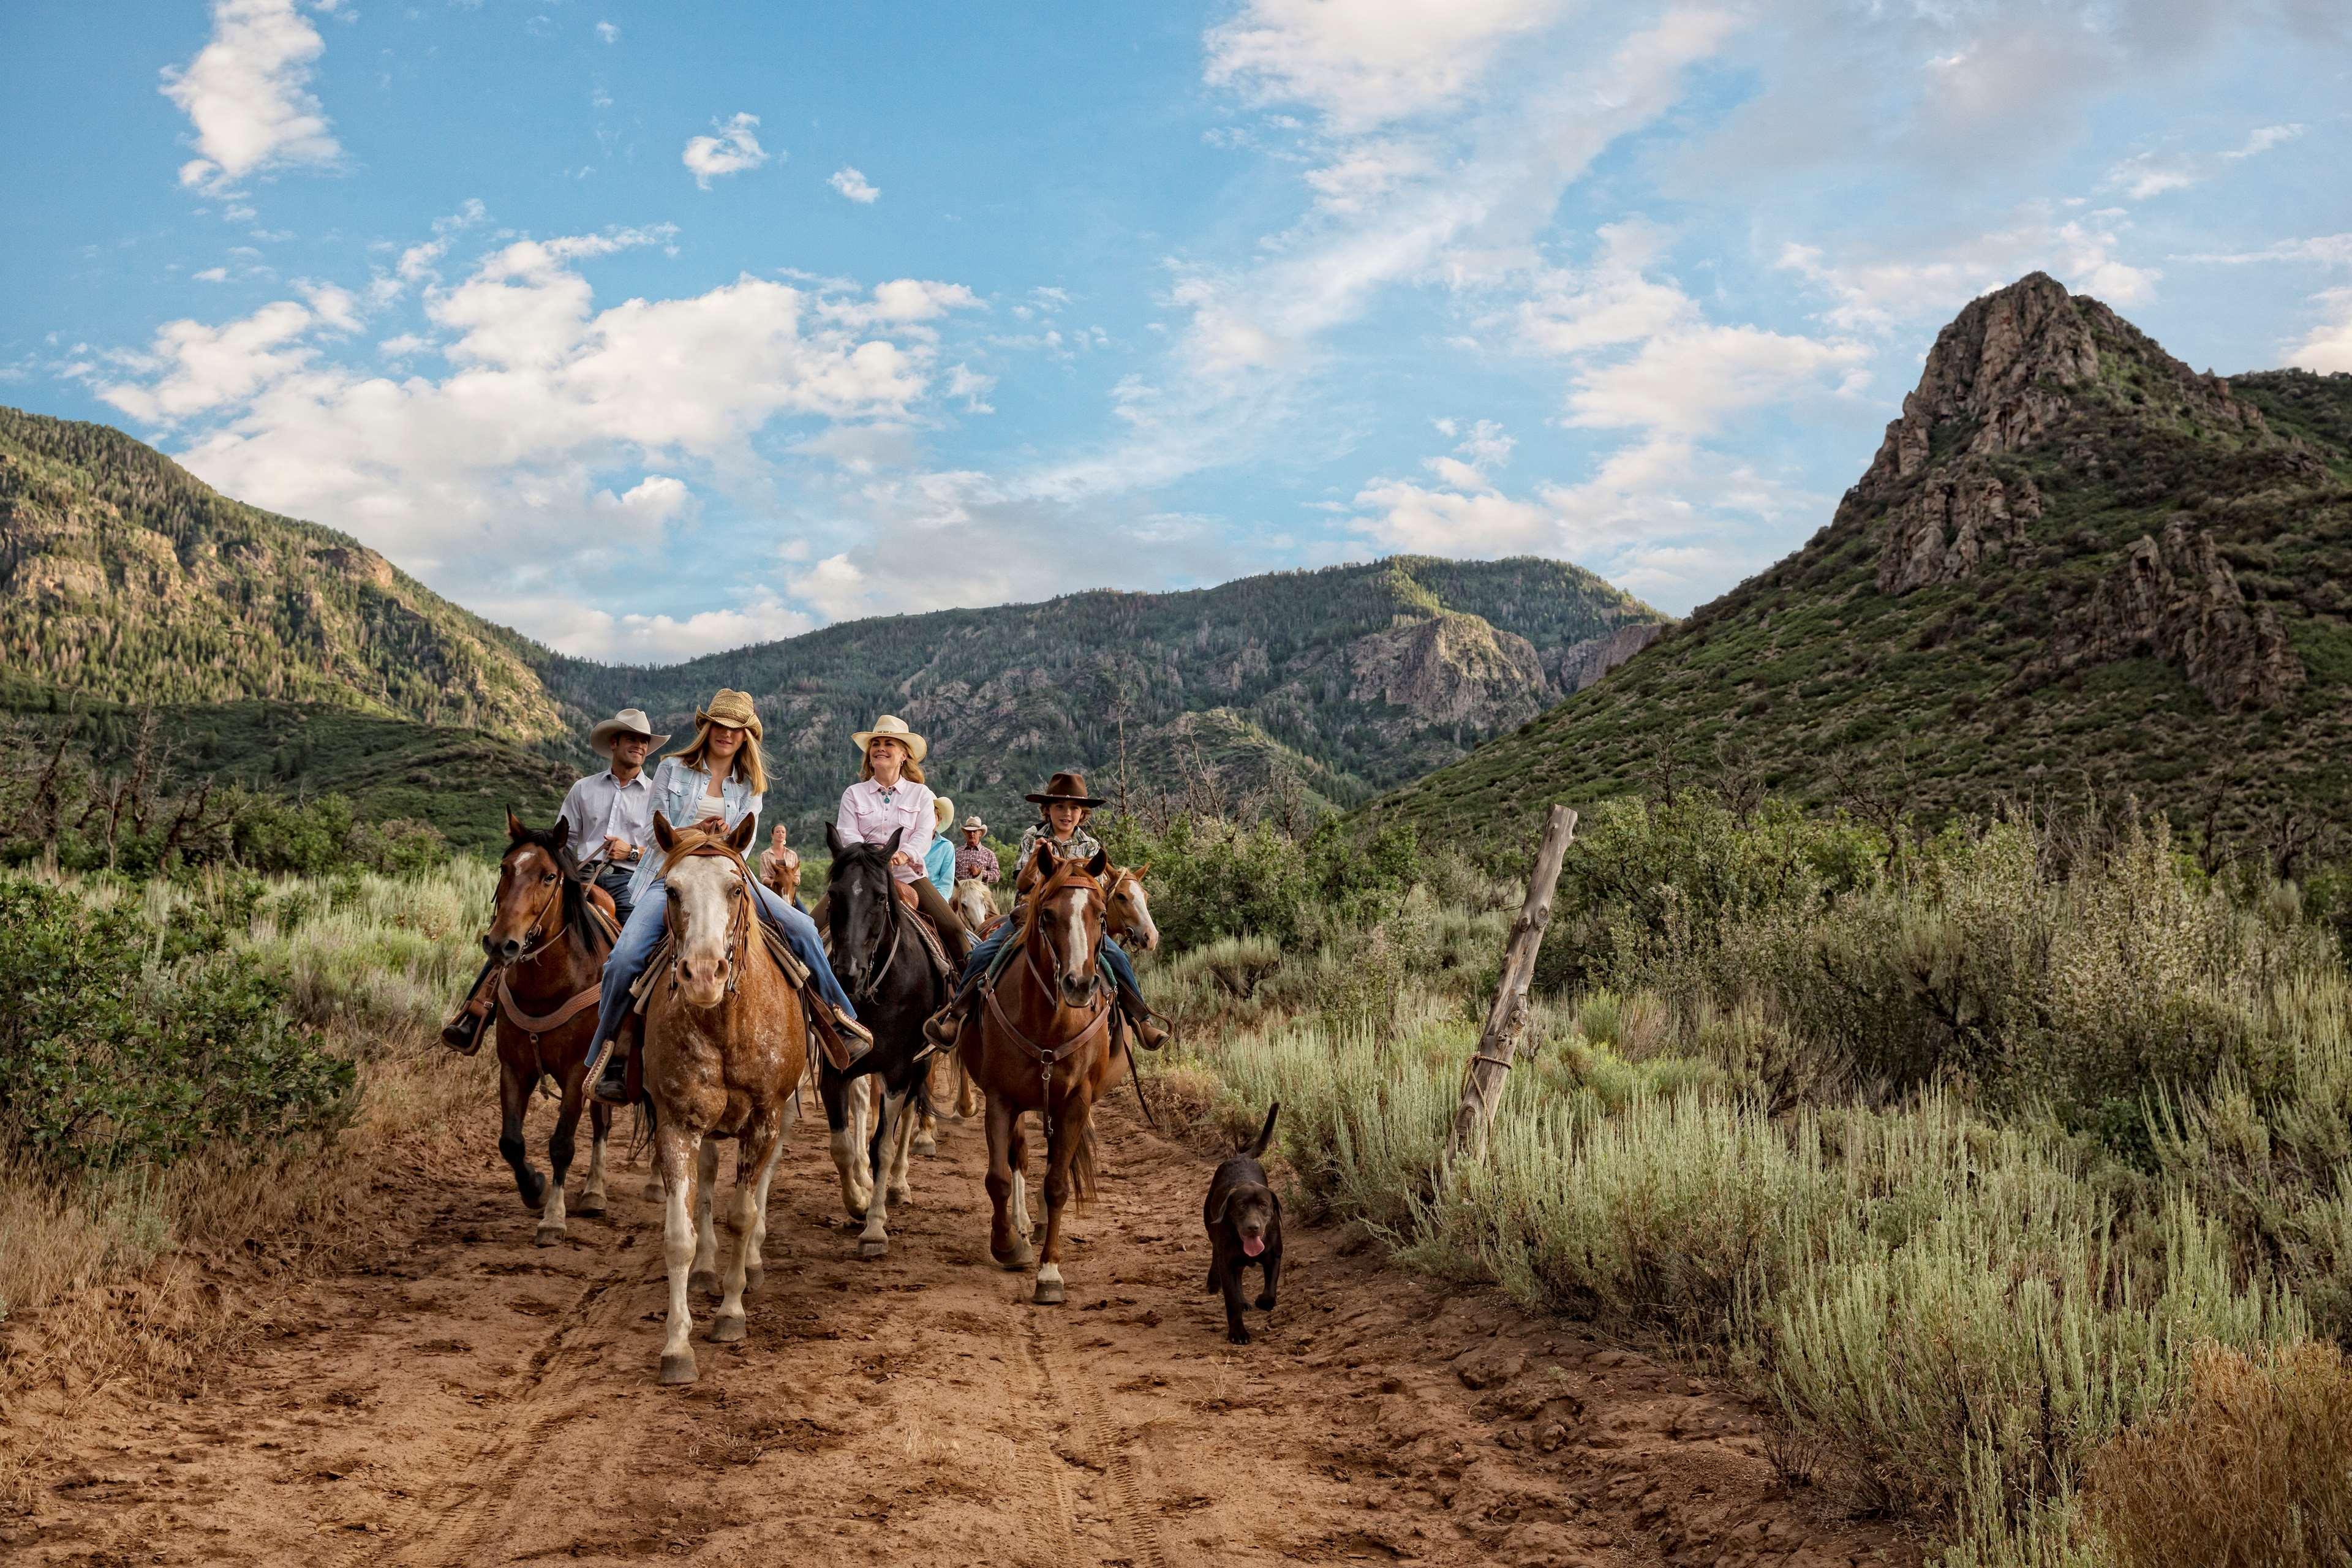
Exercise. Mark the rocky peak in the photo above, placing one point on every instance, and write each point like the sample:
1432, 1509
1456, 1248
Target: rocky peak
2178, 599
1952, 524
1449, 669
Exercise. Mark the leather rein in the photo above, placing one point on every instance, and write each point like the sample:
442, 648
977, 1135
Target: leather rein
1066, 873
537, 1024
738, 925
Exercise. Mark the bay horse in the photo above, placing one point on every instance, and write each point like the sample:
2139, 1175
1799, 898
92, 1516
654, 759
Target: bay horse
726, 1042
883, 964
549, 946
1042, 1042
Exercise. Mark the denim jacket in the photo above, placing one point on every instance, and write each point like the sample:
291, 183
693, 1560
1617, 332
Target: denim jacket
676, 786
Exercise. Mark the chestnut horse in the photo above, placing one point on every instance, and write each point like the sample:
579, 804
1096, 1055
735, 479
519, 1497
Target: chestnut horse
550, 949
725, 1046
1042, 1041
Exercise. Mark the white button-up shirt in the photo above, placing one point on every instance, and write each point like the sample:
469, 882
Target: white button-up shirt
869, 817
602, 806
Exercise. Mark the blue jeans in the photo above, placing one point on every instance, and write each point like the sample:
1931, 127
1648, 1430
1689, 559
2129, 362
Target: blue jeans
644, 933
1113, 956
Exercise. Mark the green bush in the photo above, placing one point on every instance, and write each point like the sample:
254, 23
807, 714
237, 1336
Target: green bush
125, 1040
1213, 878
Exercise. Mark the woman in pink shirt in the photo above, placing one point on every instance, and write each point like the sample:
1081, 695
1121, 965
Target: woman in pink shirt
889, 798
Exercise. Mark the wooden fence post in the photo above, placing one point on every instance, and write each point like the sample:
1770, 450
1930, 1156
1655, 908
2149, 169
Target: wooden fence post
1506, 1021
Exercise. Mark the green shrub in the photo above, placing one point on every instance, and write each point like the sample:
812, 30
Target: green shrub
128, 1041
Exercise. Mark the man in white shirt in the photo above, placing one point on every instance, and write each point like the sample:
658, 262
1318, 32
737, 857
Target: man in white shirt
612, 813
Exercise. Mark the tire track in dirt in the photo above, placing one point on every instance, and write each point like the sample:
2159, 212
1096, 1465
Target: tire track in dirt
477, 1400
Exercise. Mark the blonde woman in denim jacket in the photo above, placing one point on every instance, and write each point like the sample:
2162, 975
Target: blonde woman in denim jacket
718, 776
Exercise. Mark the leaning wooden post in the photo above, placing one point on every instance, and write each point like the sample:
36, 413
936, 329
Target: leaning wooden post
1506, 1021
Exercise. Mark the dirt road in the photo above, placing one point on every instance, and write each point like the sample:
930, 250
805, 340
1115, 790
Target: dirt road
486, 1401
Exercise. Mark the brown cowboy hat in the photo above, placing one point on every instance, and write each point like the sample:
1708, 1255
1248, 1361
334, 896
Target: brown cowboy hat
732, 709
1069, 787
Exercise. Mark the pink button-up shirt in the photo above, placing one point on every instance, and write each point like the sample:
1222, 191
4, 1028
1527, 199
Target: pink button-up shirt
867, 817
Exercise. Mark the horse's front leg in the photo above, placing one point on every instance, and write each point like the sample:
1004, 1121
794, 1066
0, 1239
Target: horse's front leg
514, 1098
560, 1144
705, 1227
844, 1112
600, 1129
1061, 1150
890, 1115
755, 1160
1007, 1243
674, 1156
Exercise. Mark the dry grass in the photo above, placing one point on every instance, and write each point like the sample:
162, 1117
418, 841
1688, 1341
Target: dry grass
2252, 1470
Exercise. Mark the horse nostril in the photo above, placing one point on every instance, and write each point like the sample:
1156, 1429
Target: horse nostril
508, 948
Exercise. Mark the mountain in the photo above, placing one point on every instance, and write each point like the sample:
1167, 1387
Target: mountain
286, 653
2075, 567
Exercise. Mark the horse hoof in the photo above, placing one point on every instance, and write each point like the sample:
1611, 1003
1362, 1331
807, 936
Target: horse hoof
535, 1199
549, 1236
1048, 1293
1016, 1261
726, 1331
653, 1193
900, 1195
926, 1144
589, 1207
678, 1368
856, 1211
874, 1247
704, 1281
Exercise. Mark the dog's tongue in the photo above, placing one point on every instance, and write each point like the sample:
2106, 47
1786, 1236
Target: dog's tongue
1253, 1245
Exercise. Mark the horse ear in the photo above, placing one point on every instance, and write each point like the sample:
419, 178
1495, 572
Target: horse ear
562, 831
1143, 870
515, 829
833, 843
741, 838
1100, 863
892, 846
664, 833
1043, 859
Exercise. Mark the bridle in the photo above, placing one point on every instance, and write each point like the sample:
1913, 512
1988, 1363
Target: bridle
885, 951
1120, 876
1046, 1057
738, 923
541, 942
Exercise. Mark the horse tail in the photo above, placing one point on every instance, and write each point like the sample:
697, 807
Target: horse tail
1086, 1178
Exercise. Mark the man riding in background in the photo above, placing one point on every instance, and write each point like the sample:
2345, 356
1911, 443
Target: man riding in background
612, 813
612, 817
975, 862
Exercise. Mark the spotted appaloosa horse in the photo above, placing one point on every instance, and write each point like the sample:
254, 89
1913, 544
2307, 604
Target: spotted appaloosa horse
726, 1042
550, 944
1041, 1040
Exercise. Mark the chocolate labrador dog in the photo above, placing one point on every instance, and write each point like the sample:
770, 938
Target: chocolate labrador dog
1245, 1221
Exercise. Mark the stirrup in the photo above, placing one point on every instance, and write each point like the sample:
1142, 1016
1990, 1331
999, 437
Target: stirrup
612, 1083
943, 1027
851, 1027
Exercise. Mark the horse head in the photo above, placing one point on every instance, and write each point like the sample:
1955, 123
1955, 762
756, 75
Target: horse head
858, 898
1130, 907
529, 910
1067, 913
710, 910
973, 904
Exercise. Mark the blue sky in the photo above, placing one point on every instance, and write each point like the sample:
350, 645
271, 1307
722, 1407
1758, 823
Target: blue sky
656, 330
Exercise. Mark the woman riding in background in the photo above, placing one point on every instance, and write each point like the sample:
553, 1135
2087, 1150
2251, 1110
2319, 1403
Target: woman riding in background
889, 798
939, 860
1063, 808
717, 781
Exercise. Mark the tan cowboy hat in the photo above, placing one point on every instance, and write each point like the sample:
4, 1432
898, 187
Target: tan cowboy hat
972, 824
1070, 787
892, 728
942, 812
732, 709
627, 721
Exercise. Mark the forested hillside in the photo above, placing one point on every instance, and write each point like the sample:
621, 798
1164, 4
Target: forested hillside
2075, 570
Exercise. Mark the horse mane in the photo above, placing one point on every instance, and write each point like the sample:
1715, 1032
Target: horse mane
576, 919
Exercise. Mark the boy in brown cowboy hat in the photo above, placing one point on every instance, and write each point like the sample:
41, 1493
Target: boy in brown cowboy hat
612, 817
1063, 808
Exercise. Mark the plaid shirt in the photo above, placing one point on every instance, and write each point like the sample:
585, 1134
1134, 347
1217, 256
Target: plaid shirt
1079, 845
978, 862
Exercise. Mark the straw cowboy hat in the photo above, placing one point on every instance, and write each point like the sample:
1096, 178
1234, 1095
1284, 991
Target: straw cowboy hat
627, 721
732, 709
972, 824
942, 812
1070, 787
891, 727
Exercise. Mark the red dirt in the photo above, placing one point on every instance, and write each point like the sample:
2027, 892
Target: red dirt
484, 1401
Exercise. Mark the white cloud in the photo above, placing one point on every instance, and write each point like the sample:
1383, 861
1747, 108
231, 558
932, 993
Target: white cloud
211, 275
247, 94
1685, 379
1923, 280
1366, 171
902, 302
656, 500
2155, 173
2327, 250
586, 631
193, 368
2329, 346
735, 149
1366, 62
969, 384
853, 186
609, 32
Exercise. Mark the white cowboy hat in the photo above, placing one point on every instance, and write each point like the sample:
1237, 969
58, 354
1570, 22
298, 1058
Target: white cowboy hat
891, 727
972, 824
627, 721
942, 812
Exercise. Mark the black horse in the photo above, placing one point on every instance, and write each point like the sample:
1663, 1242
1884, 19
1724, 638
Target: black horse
882, 963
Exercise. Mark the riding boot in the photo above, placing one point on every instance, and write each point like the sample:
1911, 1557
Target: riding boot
463, 1034
612, 1083
1148, 1032
943, 1027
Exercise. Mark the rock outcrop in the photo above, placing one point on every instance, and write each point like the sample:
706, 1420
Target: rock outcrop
2179, 599
1578, 665
1945, 530
1449, 669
